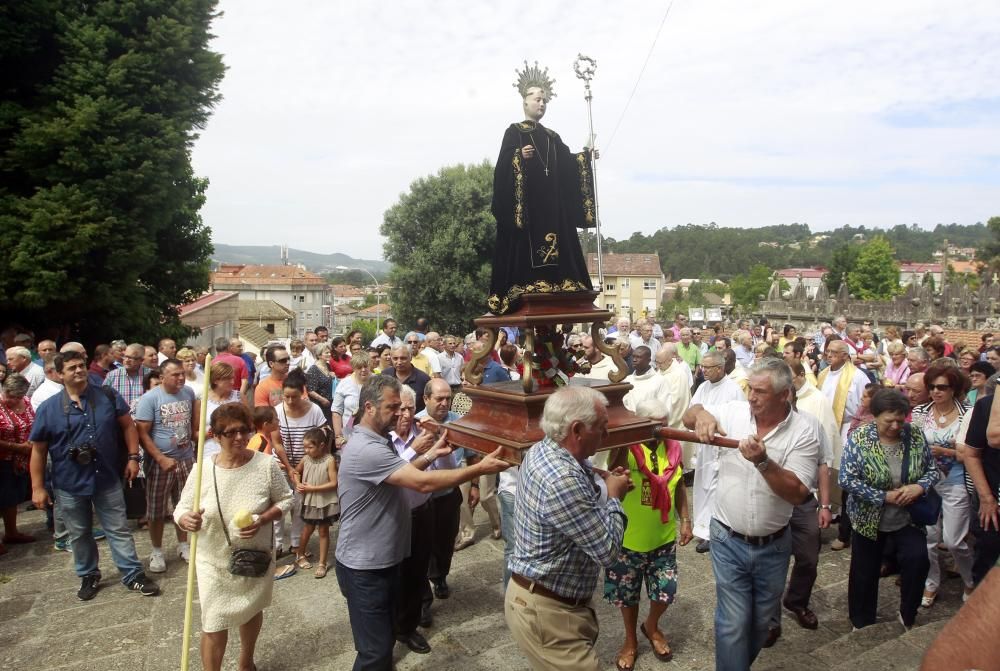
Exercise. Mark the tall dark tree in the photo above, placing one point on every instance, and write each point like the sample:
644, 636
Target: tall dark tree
101, 103
440, 238
841, 264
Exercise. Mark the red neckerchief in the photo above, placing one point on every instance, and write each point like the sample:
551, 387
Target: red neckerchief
659, 484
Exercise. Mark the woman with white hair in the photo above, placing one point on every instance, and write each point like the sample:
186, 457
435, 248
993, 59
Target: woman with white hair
658, 519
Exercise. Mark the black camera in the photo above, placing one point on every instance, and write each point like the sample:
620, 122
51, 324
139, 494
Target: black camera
84, 454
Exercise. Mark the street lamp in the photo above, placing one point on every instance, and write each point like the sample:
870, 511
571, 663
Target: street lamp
378, 292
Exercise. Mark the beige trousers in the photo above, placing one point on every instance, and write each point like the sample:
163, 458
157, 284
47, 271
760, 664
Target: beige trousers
487, 498
552, 635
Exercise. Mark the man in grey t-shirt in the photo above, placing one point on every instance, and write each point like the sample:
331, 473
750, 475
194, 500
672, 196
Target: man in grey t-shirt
375, 518
165, 418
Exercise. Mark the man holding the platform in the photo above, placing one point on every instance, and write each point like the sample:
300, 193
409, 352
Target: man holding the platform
760, 483
563, 535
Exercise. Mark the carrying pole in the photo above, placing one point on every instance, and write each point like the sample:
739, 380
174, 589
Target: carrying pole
195, 506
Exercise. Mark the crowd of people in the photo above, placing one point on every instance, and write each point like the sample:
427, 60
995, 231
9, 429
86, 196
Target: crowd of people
324, 431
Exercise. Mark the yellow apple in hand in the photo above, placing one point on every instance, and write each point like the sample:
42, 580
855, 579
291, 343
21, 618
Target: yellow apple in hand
243, 519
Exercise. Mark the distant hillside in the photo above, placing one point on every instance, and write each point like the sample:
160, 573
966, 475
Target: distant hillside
317, 263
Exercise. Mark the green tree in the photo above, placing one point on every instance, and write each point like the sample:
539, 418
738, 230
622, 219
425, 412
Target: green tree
440, 238
875, 275
841, 264
98, 203
989, 252
747, 289
367, 327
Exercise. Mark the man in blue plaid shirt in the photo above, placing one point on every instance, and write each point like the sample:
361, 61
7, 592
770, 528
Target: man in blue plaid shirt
564, 532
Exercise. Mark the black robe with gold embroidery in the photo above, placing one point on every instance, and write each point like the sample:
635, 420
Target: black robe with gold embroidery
538, 249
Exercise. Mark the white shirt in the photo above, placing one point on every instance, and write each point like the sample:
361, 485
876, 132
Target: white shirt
653, 344
451, 367
433, 358
678, 386
35, 375
716, 393
811, 401
601, 369
854, 395
645, 386
48, 389
744, 501
404, 448
383, 339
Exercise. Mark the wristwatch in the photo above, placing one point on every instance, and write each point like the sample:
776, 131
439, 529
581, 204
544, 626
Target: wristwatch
826, 506
762, 466
134, 457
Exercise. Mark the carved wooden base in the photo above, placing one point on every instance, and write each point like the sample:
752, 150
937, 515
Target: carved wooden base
507, 415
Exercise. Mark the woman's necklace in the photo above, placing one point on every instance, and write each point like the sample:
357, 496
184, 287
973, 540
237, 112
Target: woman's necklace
942, 418
548, 145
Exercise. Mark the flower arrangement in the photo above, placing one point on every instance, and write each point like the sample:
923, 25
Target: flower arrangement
552, 365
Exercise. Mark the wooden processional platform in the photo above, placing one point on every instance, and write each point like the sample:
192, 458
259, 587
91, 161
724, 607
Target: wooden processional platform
507, 414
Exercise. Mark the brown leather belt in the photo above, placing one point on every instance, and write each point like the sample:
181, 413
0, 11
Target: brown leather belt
537, 588
758, 541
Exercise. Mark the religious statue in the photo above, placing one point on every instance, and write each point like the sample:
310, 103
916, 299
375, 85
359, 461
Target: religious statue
541, 194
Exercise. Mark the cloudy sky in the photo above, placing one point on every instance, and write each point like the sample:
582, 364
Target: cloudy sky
747, 114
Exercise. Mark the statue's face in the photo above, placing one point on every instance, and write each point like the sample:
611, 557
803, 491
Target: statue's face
534, 104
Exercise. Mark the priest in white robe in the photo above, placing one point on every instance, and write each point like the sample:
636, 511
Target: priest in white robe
717, 389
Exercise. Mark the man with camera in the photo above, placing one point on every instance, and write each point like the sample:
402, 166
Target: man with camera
79, 429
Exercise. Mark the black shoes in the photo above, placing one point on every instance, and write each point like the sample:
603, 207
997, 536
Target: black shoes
773, 635
143, 586
426, 619
89, 587
703, 546
415, 642
441, 589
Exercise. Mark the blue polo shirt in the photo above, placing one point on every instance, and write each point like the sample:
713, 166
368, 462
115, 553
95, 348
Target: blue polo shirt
62, 423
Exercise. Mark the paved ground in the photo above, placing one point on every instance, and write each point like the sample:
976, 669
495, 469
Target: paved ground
44, 626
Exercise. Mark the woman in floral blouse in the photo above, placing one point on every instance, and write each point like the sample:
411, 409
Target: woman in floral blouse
16, 418
872, 472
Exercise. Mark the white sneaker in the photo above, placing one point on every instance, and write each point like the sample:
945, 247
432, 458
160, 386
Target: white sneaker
184, 551
157, 563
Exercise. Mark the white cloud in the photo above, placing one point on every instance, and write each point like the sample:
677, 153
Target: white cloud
748, 113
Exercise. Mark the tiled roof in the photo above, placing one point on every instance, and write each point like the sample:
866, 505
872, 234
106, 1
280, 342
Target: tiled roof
253, 309
380, 309
264, 274
793, 273
644, 265
255, 335
347, 291
211, 298
920, 267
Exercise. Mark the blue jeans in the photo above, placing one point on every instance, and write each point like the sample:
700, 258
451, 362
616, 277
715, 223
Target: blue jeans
507, 531
749, 581
371, 597
110, 508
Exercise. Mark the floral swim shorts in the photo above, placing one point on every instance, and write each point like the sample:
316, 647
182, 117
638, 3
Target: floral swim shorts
658, 568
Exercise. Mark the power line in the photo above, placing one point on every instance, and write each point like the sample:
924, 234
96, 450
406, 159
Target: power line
641, 72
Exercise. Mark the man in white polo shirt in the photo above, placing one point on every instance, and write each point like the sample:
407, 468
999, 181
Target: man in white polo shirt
759, 485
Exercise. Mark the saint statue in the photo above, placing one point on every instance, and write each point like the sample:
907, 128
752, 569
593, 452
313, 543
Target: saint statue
541, 194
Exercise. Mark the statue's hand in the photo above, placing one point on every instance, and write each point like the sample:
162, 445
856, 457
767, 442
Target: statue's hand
528, 151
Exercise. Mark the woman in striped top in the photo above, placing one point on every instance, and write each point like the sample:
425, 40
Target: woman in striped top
296, 415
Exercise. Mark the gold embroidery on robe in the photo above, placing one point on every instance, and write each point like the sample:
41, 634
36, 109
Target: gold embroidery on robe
550, 252
500, 304
518, 189
588, 196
